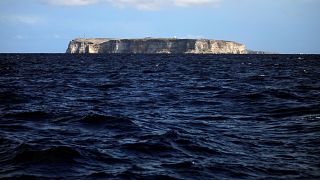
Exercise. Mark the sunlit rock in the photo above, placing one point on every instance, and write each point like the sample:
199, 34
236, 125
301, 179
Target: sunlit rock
155, 46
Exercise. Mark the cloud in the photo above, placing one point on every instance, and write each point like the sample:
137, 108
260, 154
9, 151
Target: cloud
158, 4
72, 2
21, 19
56, 36
186, 3
137, 4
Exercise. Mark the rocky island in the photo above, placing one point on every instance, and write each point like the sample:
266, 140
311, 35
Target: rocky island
154, 46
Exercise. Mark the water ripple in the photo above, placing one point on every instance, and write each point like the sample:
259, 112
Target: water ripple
159, 116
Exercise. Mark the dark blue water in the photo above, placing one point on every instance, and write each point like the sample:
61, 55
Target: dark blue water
160, 116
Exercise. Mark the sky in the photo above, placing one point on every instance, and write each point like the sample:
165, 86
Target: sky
47, 26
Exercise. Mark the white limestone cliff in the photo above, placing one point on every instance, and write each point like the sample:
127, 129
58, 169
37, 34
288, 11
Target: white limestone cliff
154, 46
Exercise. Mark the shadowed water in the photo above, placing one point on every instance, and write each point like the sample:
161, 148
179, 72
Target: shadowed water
160, 116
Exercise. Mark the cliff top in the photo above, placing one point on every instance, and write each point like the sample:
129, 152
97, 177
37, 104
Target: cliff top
150, 45
101, 40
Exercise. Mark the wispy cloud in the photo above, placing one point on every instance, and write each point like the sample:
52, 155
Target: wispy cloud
137, 4
187, 3
72, 2
56, 36
21, 19
18, 37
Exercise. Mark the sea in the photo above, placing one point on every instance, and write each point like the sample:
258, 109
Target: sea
127, 116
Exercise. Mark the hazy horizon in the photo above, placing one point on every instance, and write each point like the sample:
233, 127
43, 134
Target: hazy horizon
47, 26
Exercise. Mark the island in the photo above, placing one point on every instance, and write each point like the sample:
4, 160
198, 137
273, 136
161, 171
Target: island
154, 46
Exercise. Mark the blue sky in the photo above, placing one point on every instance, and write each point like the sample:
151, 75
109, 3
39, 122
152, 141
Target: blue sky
285, 26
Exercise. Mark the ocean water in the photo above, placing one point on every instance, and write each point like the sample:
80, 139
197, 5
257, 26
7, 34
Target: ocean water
159, 116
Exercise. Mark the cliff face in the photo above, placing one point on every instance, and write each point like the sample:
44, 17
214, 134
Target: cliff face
155, 46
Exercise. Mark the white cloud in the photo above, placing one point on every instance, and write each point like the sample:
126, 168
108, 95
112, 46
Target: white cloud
157, 4
137, 4
21, 19
187, 3
72, 2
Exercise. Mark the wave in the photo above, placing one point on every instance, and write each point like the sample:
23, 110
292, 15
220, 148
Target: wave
111, 122
294, 111
59, 154
159, 116
32, 115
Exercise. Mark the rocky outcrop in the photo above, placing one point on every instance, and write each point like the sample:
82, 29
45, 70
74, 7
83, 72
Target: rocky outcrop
260, 52
155, 46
